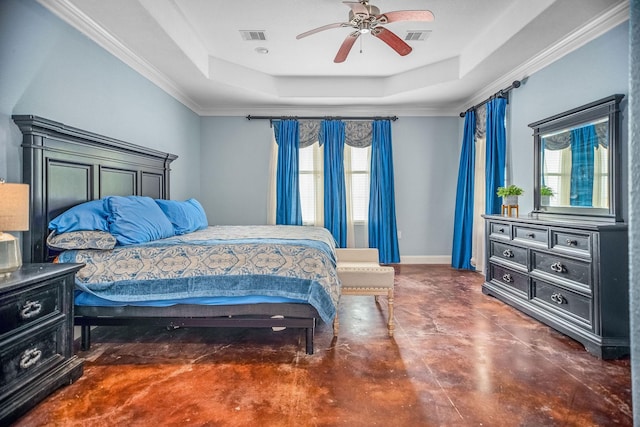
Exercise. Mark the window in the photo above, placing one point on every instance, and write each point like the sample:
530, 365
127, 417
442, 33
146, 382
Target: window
358, 173
310, 172
357, 164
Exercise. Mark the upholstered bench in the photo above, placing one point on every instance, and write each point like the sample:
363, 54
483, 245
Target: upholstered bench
361, 274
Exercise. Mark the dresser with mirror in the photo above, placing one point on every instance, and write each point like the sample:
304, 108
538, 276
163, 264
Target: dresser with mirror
566, 263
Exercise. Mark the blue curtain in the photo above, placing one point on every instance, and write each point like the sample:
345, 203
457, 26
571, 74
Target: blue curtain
288, 210
463, 222
335, 199
496, 153
583, 143
382, 209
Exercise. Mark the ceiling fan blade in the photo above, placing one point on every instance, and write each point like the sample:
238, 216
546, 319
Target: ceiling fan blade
395, 42
346, 46
406, 15
324, 27
357, 8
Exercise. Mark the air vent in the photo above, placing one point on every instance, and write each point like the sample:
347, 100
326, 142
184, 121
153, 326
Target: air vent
251, 35
417, 35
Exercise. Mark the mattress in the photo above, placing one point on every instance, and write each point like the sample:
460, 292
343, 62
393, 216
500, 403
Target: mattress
214, 265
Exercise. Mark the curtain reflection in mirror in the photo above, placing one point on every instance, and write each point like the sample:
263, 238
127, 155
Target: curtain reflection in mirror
575, 166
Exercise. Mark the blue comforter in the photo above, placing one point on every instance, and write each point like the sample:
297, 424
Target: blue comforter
296, 262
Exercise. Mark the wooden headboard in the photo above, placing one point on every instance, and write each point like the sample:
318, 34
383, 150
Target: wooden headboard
66, 166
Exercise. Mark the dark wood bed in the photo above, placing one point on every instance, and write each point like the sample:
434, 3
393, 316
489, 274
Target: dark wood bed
66, 166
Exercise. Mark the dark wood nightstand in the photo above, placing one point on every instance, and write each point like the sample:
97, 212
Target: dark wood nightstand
36, 336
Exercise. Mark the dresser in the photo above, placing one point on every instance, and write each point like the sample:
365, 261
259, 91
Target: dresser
569, 274
36, 336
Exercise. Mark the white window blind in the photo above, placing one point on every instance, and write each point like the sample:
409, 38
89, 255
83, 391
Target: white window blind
357, 161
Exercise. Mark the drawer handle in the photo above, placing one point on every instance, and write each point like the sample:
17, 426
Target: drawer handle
572, 242
30, 357
508, 253
30, 309
507, 278
531, 235
558, 298
500, 230
557, 267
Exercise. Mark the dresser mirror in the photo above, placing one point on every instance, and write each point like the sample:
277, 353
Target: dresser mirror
577, 161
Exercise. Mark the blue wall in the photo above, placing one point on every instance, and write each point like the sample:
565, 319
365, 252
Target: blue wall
49, 69
235, 169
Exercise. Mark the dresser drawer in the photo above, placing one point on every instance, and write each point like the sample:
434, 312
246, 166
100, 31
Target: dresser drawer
510, 280
21, 309
499, 230
569, 305
23, 359
508, 253
574, 243
531, 235
575, 273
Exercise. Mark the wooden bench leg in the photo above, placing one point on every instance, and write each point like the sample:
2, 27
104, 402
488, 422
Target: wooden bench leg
336, 325
390, 325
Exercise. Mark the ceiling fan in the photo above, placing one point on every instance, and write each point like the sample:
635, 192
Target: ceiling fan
366, 18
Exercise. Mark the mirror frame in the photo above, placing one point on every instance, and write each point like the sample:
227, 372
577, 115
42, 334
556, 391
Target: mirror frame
607, 107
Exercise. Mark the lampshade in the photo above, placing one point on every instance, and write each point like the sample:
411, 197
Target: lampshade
14, 216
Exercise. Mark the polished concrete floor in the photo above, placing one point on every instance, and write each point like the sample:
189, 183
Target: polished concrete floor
458, 358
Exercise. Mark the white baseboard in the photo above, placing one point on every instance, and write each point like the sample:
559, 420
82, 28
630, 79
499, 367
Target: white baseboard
426, 259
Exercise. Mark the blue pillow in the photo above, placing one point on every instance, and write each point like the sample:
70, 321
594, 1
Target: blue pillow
85, 216
186, 217
136, 219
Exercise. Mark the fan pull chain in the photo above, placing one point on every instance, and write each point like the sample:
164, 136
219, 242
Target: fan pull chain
360, 43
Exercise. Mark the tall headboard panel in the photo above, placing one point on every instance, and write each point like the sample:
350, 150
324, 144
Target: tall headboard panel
65, 166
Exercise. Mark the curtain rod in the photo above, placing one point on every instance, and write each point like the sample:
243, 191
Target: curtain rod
272, 118
500, 93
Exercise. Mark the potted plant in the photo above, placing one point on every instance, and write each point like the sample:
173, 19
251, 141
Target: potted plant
545, 194
510, 194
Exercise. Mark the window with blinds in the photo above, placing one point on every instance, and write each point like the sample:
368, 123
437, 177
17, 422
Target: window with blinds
358, 173
357, 165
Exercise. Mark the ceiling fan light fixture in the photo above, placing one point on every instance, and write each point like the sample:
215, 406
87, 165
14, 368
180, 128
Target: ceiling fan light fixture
367, 19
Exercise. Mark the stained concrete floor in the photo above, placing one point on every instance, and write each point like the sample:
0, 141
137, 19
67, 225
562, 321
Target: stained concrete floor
458, 358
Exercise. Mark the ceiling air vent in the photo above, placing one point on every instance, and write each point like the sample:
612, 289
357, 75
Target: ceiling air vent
251, 35
417, 35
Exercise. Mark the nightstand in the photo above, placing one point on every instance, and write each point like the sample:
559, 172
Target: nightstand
36, 336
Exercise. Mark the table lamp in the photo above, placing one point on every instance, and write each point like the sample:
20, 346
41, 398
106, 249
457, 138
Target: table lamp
14, 216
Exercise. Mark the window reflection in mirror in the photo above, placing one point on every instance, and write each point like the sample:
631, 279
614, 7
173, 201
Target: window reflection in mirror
575, 166
577, 155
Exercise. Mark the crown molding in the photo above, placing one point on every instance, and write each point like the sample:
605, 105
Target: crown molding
578, 38
339, 110
73, 16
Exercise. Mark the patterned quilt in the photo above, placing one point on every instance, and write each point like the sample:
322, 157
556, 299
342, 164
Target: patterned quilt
295, 262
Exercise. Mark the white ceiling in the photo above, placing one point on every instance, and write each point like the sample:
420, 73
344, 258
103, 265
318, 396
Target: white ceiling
194, 50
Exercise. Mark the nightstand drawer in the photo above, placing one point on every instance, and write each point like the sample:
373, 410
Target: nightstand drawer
509, 253
20, 309
568, 304
24, 358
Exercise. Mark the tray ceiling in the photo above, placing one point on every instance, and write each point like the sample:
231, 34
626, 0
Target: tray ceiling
210, 54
